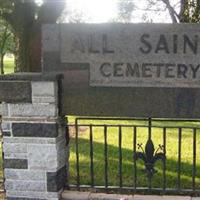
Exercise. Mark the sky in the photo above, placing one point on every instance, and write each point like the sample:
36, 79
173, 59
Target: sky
101, 11
98, 11
93, 10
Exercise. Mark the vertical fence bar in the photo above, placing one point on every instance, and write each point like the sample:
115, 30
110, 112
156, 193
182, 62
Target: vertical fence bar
91, 157
149, 128
77, 157
120, 156
2, 154
105, 157
179, 159
164, 163
134, 150
194, 160
149, 138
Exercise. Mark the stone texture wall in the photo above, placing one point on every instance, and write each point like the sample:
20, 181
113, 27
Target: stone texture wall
34, 145
145, 102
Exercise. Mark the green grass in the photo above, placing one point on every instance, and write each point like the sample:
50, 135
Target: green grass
127, 155
9, 65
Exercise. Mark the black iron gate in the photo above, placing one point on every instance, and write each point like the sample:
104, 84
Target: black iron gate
135, 155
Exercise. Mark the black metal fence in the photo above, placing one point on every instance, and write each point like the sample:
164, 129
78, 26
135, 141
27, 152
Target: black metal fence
1, 163
135, 155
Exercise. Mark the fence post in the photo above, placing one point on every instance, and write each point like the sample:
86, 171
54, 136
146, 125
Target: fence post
34, 137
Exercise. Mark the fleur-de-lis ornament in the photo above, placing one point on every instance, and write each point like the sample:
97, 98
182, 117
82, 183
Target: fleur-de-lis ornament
150, 156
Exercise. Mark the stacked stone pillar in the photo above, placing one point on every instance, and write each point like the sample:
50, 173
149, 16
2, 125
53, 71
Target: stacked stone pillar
34, 137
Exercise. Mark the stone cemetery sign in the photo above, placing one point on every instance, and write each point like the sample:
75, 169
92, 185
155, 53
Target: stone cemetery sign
143, 70
135, 55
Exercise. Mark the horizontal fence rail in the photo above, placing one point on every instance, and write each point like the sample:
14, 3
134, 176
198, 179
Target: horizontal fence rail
135, 155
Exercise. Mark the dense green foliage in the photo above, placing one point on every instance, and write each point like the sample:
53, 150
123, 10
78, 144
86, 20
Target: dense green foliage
6, 42
26, 19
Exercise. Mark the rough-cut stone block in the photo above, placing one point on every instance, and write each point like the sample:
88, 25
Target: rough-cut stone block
35, 130
6, 126
62, 152
15, 91
56, 180
62, 157
14, 148
29, 175
16, 163
6, 133
33, 110
4, 109
44, 100
32, 194
44, 89
61, 137
30, 140
22, 156
42, 157
25, 185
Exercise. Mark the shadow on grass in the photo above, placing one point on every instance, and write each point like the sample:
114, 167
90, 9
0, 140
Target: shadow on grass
127, 168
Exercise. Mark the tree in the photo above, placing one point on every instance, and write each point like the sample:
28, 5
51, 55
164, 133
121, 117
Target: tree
133, 10
77, 17
181, 11
6, 43
125, 10
73, 16
26, 19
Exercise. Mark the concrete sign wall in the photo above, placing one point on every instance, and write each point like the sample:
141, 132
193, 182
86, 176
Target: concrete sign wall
145, 55
140, 70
